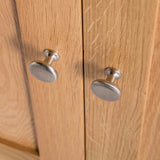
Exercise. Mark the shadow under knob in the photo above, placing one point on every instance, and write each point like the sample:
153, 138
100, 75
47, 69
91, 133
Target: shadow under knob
107, 89
43, 70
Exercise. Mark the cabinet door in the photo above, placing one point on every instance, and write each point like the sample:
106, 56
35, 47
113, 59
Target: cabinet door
29, 27
149, 148
120, 34
16, 121
57, 107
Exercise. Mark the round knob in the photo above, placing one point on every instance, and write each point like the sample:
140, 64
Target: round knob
42, 70
107, 89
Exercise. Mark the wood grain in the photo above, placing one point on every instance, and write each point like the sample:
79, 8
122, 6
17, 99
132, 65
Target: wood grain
150, 137
16, 124
117, 33
58, 107
8, 153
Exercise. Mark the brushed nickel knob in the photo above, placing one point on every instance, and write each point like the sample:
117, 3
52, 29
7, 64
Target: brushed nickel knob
42, 70
107, 89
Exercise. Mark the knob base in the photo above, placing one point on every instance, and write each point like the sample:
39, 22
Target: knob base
105, 90
43, 72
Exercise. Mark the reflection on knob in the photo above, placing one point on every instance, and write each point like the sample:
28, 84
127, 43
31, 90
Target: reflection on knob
42, 70
107, 89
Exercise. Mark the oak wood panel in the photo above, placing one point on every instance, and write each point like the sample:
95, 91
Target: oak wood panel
58, 107
16, 124
117, 33
150, 137
8, 153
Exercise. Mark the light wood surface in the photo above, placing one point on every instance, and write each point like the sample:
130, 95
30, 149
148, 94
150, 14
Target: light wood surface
8, 153
58, 107
150, 137
16, 124
119, 34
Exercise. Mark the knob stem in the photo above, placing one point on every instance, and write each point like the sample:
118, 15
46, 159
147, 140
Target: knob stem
48, 60
111, 78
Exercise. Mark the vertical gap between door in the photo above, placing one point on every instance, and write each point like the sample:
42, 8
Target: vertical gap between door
83, 65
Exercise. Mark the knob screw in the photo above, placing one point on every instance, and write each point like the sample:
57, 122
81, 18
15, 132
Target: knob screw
112, 74
50, 56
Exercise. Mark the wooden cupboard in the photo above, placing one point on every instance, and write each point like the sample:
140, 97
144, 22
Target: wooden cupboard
64, 120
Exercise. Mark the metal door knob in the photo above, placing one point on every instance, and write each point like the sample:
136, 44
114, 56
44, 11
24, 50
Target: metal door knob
107, 89
42, 70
